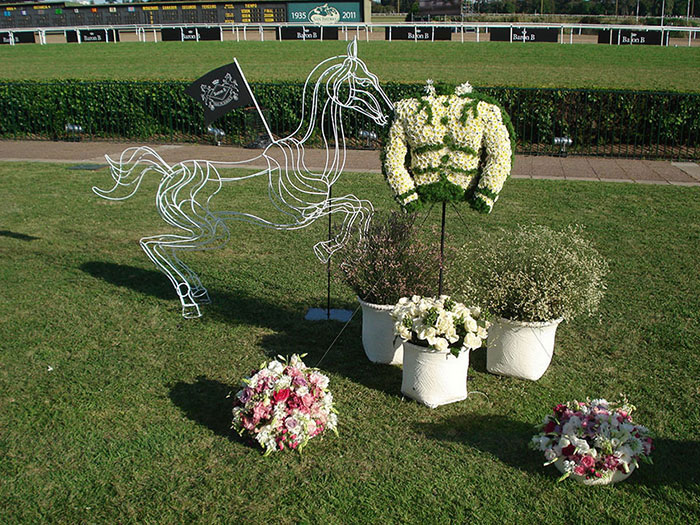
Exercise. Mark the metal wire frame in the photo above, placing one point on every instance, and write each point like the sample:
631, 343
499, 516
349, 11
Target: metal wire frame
301, 196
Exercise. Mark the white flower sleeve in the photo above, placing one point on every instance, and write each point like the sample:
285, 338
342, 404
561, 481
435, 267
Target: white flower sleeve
498, 157
397, 175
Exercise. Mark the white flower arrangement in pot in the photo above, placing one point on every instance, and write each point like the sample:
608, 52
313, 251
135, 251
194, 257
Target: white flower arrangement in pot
438, 334
530, 279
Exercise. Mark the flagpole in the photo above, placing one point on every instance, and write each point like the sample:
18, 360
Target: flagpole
255, 101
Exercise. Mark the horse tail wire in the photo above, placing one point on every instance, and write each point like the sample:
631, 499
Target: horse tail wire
125, 174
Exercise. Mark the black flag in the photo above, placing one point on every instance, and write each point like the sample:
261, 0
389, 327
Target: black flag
220, 91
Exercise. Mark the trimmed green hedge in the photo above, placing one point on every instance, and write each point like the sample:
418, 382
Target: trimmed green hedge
600, 122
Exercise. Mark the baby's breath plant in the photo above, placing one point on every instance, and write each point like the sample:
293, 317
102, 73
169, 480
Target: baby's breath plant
532, 274
394, 260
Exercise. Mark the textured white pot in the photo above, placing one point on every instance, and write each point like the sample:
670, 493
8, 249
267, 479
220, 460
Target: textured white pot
607, 479
378, 340
434, 378
520, 349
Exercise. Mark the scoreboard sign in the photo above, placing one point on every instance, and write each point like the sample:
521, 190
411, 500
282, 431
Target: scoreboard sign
328, 13
418, 33
524, 34
308, 33
152, 13
629, 37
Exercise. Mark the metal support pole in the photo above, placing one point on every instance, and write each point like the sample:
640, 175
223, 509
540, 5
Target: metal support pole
328, 264
663, 13
442, 247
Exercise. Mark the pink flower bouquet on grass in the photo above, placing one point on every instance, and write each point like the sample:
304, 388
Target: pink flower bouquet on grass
283, 405
595, 442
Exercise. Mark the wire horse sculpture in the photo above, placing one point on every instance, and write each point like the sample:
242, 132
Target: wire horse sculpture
302, 196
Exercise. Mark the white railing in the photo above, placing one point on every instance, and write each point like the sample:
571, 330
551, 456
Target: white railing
262, 31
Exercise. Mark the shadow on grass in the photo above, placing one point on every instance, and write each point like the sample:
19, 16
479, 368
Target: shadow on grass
205, 403
477, 360
675, 463
20, 236
149, 282
292, 334
317, 339
497, 435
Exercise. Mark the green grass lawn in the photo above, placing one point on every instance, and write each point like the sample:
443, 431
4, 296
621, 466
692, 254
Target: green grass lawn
131, 423
483, 64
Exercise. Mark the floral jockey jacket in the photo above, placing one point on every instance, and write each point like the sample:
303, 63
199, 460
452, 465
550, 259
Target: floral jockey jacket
459, 149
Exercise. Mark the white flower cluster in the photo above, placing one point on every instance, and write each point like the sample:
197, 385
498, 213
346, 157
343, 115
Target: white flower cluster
446, 134
439, 323
464, 89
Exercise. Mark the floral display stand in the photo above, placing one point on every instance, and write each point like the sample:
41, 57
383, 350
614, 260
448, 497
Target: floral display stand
393, 261
434, 378
283, 405
529, 278
459, 146
594, 442
438, 334
606, 479
520, 349
378, 339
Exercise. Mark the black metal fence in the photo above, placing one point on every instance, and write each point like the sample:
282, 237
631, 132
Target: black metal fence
598, 122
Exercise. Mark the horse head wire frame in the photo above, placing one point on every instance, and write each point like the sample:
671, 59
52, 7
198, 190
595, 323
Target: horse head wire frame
184, 198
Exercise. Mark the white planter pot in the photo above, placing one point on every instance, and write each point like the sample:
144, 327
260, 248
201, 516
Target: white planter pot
434, 378
607, 479
378, 340
520, 349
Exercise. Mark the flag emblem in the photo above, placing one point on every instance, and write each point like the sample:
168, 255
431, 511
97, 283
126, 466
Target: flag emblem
220, 91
